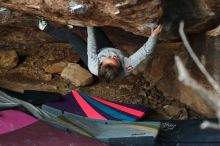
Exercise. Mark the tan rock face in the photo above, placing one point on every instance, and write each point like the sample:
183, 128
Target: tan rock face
136, 16
170, 86
161, 72
212, 52
56, 67
174, 111
8, 59
96, 12
77, 75
215, 32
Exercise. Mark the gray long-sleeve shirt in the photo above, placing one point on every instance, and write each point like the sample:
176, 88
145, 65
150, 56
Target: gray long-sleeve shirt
128, 63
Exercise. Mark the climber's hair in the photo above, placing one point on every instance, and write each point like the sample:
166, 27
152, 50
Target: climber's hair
108, 72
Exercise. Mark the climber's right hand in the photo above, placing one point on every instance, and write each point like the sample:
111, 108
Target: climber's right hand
156, 31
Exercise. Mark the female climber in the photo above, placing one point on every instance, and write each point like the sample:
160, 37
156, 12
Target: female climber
102, 59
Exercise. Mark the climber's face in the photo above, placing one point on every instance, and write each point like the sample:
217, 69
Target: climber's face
112, 60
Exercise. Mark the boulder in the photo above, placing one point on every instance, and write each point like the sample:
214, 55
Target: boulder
56, 67
8, 59
175, 111
136, 16
77, 75
161, 72
212, 52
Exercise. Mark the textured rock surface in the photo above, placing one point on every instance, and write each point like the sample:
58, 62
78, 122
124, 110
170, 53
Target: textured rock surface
161, 72
212, 52
56, 67
174, 111
77, 75
8, 59
131, 15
